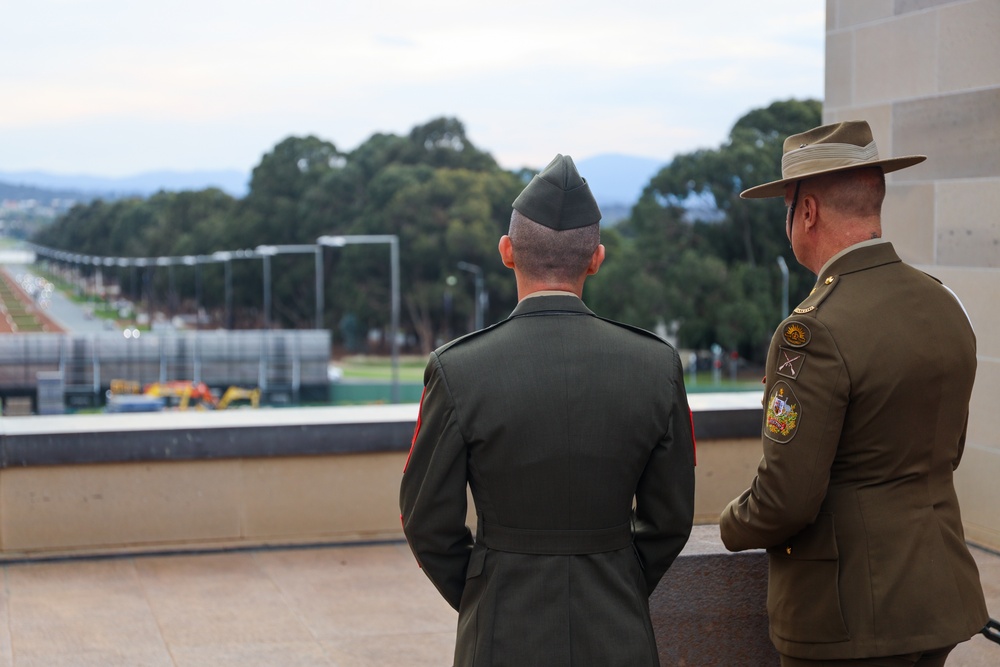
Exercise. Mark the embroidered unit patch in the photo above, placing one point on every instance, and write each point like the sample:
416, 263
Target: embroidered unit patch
790, 362
796, 334
783, 413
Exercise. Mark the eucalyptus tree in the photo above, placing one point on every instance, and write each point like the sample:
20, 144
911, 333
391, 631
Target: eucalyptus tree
703, 259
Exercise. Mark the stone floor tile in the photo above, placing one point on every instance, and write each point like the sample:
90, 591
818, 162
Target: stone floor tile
412, 650
358, 592
126, 656
349, 606
200, 600
79, 608
6, 654
300, 654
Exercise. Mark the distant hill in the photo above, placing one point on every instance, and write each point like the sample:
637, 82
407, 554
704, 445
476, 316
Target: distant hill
617, 179
24, 192
232, 181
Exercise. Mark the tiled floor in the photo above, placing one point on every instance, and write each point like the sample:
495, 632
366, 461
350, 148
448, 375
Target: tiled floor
358, 605
352, 606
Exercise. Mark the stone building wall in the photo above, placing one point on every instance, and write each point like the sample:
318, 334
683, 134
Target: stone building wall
926, 75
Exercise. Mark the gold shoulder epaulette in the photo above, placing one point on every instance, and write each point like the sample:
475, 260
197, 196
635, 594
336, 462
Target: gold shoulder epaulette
824, 286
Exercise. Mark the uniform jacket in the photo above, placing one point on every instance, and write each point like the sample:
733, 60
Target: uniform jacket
866, 405
560, 423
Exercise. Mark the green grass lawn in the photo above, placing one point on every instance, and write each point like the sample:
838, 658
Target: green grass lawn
411, 369
364, 367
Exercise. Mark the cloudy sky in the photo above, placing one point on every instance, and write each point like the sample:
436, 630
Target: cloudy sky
117, 87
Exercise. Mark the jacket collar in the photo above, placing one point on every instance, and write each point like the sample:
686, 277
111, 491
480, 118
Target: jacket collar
561, 302
860, 258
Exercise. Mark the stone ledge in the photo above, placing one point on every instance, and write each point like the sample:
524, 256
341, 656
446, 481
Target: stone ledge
711, 606
244, 433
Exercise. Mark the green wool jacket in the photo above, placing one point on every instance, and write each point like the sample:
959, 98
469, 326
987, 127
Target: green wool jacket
866, 405
574, 435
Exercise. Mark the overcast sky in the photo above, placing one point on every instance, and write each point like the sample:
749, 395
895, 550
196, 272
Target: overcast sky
117, 87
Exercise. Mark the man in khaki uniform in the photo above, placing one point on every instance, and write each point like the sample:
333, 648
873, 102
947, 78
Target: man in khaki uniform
866, 405
574, 435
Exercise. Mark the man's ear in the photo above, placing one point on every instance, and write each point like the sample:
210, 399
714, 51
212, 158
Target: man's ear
810, 211
596, 260
506, 251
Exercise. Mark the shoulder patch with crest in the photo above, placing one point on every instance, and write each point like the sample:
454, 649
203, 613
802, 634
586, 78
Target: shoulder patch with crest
796, 334
782, 413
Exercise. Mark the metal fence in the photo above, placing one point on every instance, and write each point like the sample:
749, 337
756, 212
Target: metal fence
287, 366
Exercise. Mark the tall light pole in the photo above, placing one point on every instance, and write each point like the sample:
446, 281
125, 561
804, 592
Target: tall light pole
195, 261
319, 285
317, 252
123, 263
143, 278
227, 258
98, 263
171, 286
266, 252
480, 293
784, 286
393, 241
109, 262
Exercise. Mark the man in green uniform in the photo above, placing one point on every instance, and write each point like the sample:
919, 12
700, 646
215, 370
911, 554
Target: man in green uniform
866, 405
574, 435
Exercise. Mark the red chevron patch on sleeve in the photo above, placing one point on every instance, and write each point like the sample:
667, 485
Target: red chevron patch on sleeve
694, 443
416, 430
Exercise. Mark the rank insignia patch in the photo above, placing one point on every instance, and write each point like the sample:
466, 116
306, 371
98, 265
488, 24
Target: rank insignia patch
796, 334
783, 412
790, 362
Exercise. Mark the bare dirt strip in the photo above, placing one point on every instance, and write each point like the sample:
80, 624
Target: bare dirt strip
18, 311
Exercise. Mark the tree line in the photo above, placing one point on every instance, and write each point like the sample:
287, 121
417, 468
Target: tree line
706, 274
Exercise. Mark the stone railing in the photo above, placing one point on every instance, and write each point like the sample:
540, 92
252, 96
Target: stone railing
190, 481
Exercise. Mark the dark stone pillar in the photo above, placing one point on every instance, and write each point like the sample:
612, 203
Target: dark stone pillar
711, 607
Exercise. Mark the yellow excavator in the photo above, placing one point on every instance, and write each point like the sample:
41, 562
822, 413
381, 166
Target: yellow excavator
185, 394
239, 394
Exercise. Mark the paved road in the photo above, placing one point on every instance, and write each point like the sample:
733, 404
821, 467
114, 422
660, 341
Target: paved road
69, 315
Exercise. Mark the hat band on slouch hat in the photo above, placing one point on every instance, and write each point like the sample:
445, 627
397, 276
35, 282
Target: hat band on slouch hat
806, 159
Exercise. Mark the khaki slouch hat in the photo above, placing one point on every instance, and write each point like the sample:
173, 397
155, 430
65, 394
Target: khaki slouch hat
826, 149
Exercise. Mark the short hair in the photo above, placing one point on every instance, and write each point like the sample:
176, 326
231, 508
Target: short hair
545, 253
854, 192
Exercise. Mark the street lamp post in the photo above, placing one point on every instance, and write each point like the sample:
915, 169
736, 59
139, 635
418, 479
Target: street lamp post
192, 260
109, 262
480, 292
227, 258
266, 252
144, 280
171, 286
319, 285
784, 286
393, 241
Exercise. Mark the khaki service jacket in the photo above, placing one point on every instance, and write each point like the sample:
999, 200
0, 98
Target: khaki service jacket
865, 410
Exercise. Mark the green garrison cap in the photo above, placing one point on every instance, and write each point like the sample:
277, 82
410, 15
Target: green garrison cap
558, 197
